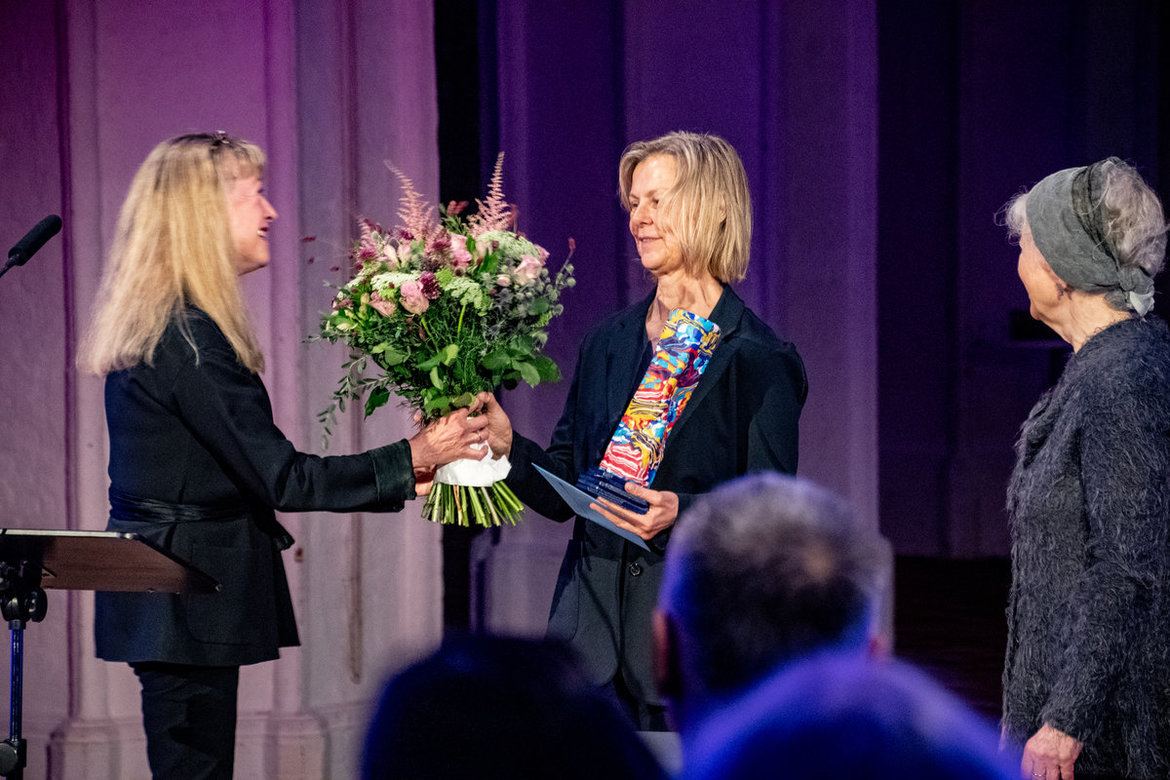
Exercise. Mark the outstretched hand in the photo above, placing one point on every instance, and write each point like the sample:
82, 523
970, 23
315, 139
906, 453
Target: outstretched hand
662, 513
449, 438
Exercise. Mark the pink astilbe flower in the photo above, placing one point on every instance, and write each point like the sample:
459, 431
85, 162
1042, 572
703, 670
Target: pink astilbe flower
384, 307
495, 213
413, 299
367, 231
430, 286
528, 269
366, 248
416, 218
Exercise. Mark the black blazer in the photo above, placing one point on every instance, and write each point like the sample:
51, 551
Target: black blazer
194, 447
741, 418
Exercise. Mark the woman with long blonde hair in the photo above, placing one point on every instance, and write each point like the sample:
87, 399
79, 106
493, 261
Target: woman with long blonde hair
197, 464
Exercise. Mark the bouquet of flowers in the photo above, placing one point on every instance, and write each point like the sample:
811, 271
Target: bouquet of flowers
446, 307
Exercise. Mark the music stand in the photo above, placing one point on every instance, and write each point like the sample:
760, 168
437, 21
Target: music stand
74, 560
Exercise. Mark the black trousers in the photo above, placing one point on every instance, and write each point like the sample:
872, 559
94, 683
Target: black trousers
189, 713
642, 716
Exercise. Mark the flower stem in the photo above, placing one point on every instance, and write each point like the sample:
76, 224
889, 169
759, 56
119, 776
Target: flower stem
490, 505
423, 321
462, 505
474, 500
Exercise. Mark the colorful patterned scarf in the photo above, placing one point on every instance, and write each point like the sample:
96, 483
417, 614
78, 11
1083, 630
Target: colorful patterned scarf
636, 449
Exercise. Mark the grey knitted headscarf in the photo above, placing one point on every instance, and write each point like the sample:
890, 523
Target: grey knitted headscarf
1065, 215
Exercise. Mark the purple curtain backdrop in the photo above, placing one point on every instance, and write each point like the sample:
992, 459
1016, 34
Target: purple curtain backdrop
979, 100
330, 90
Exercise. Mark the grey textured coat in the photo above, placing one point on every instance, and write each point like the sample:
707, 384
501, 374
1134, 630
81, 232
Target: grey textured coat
1089, 614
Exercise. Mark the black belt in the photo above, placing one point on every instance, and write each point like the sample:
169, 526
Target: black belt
128, 508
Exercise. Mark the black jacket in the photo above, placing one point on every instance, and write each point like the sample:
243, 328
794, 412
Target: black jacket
741, 418
192, 437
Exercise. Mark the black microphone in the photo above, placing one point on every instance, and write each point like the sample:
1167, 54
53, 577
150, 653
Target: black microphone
33, 240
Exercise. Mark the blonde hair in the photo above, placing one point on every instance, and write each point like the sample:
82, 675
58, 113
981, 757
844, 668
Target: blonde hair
709, 209
174, 248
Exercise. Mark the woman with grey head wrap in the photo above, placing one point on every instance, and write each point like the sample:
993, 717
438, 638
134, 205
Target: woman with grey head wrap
1087, 672
1100, 230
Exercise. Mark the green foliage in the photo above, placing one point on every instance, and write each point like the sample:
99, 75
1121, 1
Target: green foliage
442, 316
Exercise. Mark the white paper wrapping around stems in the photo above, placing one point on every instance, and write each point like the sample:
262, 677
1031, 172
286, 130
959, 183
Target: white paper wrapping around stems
474, 473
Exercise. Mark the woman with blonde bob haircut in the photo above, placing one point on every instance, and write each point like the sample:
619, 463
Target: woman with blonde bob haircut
708, 210
197, 464
690, 216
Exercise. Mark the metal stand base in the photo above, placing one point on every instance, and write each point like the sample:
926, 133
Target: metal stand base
21, 601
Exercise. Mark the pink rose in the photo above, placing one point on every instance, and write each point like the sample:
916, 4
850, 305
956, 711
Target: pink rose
462, 258
384, 307
412, 297
503, 280
528, 269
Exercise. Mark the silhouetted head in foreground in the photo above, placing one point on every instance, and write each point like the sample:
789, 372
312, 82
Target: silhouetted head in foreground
840, 716
763, 571
489, 707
